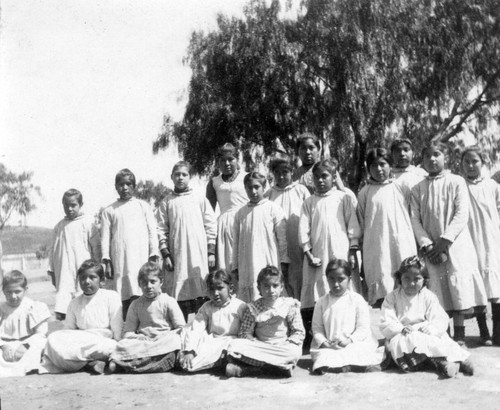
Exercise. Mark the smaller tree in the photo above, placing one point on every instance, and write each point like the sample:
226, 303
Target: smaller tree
151, 193
17, 194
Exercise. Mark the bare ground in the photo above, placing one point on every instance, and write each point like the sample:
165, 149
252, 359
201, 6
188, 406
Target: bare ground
388, 390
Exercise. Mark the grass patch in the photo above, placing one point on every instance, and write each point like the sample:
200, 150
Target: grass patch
24, 239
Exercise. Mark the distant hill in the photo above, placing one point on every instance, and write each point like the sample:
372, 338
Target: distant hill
24, 239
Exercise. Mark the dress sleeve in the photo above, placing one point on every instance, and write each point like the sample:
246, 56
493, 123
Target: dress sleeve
247, 326
105, 234
353, 231
390, 325
280, 232
236, 240
152, 229
363, 329
296, 331
163, 226
70, 320
115, 315
211, 194
421, 234
318, 326
132, 321
175, 314
461, 214
210, 224
197, 328
305, 227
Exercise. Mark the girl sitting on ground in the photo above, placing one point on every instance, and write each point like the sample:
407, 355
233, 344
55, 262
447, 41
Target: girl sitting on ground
151, 339
206, 340
92, 326
23, 327
415, 324
271, 332
342, 338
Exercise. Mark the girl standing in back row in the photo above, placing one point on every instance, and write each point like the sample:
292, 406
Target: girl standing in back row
227, 190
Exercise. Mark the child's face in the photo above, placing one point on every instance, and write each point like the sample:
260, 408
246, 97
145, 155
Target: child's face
323, 180
181, 178
71, 207
308, 152
228, 165
270, 288
402, 155
283, 176
14, 294
471, 165
90, 282
380, 170
433, 161
151, 286
255, 190
412, 282
219, 292
125, 187
337, 281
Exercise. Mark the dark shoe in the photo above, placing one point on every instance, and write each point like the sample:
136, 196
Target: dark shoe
319, 371
96, 366
467, 368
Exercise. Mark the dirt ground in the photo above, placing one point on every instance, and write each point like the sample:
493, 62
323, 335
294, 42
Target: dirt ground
387, 390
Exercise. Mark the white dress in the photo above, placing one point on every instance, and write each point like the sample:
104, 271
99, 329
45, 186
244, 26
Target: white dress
25, 324
92, 327
259, 240
290, 199
186, 227
211, 332
409, 176
231, 196
128, 239
328, 227
387, 234
74, 241
440, 208
484, 226
346, 316
423, 309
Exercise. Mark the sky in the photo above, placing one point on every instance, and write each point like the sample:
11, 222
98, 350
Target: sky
85, 86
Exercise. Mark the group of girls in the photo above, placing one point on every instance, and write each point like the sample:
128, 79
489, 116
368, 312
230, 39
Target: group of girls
307, 219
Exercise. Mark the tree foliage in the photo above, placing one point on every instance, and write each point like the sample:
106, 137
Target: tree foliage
151, 193
355, 72
17, 194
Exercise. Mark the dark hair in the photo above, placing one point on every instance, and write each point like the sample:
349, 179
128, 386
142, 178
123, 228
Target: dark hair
73, 192
398, 142
227, 149
269, 271
378, 153
435, 145
90, 264
220, 275
125, 172
257, 176
412, 262
476, 149
183, 164
335, 264
330, 165
146, 269
277, 162
307, 136
14, 277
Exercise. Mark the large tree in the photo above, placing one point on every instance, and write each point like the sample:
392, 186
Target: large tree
17, 194
355, 72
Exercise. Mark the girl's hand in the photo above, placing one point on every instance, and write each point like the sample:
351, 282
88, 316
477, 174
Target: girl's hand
211, 260
168, 264
9, 352
327, 345
439, 247
19, 353
187, 360
344, 341
314, 262
425, 329
406, 330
